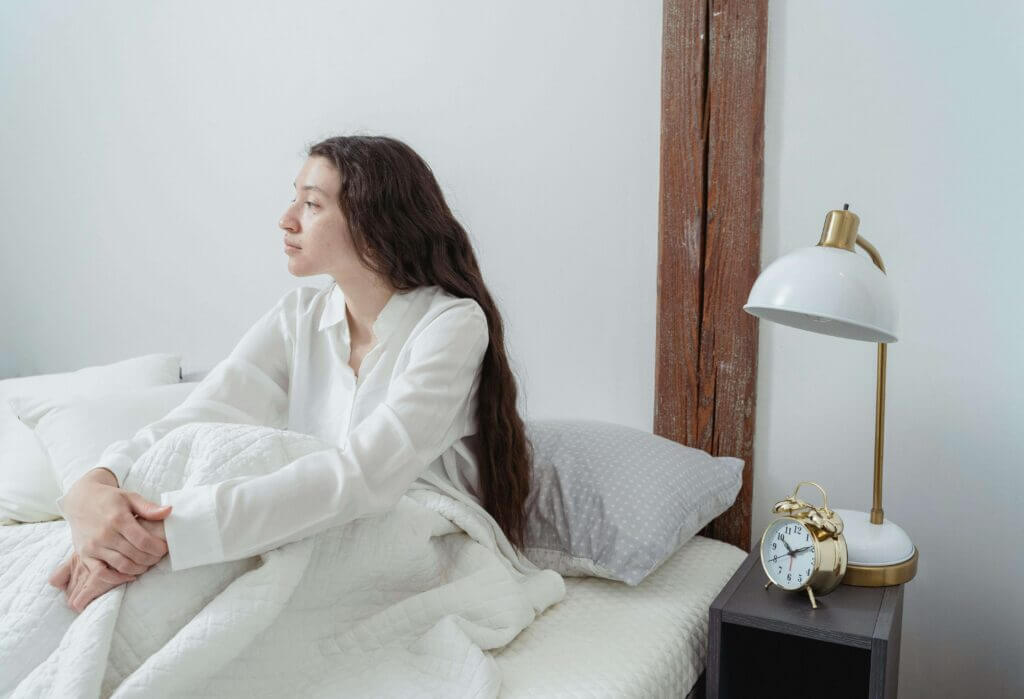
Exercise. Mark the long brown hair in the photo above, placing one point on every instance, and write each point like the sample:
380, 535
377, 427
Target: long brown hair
403, 230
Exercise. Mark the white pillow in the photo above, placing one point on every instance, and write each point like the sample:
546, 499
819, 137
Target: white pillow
28, 486
75, 431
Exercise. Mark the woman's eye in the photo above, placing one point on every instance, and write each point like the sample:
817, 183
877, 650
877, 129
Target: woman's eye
309, 203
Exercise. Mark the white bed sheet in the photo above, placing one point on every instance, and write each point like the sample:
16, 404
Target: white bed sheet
606, 639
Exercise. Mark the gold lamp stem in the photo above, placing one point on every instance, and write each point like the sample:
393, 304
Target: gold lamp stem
840, 231
877, 516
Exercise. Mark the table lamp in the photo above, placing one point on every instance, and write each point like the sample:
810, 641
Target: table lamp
830, 289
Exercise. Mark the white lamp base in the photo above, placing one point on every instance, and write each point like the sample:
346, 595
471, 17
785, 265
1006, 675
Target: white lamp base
878, 554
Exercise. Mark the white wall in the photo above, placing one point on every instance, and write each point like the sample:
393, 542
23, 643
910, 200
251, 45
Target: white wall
913, 113
148, 150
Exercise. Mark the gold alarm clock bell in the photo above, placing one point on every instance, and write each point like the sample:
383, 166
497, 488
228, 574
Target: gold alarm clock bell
805, 548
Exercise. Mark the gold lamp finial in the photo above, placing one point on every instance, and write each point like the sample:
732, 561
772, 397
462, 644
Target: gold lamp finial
840, 229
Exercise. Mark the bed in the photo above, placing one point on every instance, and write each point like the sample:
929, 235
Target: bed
606, 639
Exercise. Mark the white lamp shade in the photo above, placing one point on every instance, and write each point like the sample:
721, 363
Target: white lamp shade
827, 290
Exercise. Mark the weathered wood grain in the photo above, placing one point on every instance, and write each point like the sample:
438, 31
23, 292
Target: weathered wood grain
712, 154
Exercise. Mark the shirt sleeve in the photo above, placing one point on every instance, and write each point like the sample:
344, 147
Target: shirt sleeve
250, 386
422, 415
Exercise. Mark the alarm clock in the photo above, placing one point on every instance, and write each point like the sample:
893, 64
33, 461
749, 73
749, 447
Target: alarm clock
804, 549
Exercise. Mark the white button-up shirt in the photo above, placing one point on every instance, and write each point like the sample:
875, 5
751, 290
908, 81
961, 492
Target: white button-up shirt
408, 416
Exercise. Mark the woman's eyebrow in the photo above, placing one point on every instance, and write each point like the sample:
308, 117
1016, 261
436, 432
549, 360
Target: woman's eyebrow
312, 186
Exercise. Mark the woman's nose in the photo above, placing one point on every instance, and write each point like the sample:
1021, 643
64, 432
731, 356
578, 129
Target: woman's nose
288, 223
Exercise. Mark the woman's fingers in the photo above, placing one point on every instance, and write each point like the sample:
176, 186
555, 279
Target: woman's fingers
134, 554
69, 588
77, 578
73, 597
62, 575
93, 582
146, 509
108, 575
145, 542
120, 554
121, 563
81, 598
112, 577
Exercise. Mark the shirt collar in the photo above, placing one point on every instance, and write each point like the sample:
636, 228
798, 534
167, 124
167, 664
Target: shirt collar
387, 319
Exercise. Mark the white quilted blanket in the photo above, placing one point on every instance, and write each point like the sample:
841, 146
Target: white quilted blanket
399, 605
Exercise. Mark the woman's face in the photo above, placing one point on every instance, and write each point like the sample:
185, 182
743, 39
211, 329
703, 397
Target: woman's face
315, 225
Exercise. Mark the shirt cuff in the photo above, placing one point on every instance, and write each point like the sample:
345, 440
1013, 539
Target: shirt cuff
118, 464
61, 509
191, 530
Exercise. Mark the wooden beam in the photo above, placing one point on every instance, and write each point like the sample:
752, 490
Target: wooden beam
712, 155
680, 220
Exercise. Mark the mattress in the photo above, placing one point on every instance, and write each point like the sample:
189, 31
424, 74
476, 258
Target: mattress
607, 639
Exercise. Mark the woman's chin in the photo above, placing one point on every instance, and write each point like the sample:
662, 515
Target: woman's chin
297, 269
300, 270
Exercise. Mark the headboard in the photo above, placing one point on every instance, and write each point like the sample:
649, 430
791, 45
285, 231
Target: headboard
709, 233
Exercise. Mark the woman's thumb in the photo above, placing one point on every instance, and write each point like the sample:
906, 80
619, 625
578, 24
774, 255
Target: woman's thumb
146, 509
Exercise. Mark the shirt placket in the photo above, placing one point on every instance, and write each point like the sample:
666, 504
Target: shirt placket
365, 367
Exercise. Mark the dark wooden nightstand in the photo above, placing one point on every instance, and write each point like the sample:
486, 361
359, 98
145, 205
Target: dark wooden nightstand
765, 643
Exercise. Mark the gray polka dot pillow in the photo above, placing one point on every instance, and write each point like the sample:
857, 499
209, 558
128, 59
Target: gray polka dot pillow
615, 502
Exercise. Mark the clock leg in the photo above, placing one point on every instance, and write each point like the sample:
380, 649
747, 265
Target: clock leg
768, 584
814, 604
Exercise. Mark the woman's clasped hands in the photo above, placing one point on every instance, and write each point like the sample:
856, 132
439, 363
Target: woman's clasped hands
117, 536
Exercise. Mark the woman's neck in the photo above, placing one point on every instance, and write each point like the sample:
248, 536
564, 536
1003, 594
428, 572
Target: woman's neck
363, 304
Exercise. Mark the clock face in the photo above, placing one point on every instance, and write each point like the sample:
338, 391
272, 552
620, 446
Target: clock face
787, 552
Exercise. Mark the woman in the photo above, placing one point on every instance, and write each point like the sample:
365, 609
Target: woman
401, 363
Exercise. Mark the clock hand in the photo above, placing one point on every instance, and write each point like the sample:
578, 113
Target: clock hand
791, 553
